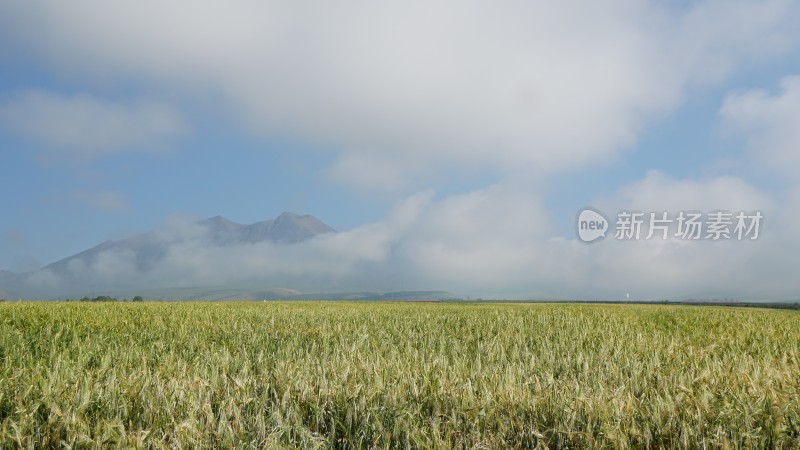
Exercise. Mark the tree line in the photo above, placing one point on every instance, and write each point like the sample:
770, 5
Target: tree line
106, 298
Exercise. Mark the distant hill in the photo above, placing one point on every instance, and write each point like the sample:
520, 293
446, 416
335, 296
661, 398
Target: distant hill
6, 275
286, 228
386, 296
169, 263
7, 280
148, 248
222, 293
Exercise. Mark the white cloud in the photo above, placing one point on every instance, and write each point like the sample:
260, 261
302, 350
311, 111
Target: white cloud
399, 88
770, 123
85, 125
400, 91
493, 241
712, 37
487, 238
673, 267
658, 191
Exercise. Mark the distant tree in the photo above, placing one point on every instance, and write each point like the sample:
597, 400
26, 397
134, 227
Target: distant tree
99, 298
138, 298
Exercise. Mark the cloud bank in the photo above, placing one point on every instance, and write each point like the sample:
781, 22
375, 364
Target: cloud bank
482, 244
398, 88
402, 93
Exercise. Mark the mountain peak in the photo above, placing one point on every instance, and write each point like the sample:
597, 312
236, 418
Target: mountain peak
219, 221
149, 248
288, 228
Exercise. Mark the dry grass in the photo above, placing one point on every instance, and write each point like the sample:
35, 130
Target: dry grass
376, 375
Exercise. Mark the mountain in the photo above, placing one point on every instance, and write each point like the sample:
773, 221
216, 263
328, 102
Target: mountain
286, 228
148, 248
212, 259
368, 296
234, 293
7, 279
6, 275
222, 230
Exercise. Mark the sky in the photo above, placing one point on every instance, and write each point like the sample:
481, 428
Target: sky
452, 143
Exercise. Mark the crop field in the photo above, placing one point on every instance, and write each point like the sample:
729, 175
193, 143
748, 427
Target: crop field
397, 375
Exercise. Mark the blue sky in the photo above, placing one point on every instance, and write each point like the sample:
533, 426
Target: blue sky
453, 144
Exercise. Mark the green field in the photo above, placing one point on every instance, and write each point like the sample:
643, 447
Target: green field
382, 375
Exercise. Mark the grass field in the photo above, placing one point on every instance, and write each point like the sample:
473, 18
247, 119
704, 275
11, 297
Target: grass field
377, 375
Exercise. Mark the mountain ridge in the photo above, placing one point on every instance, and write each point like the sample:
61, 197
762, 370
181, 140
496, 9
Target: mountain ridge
137, 262
288, 228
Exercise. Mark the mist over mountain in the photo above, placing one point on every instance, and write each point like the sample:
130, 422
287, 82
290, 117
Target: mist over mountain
151, 247
5, 275
7, 280
474, 245
165, 257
